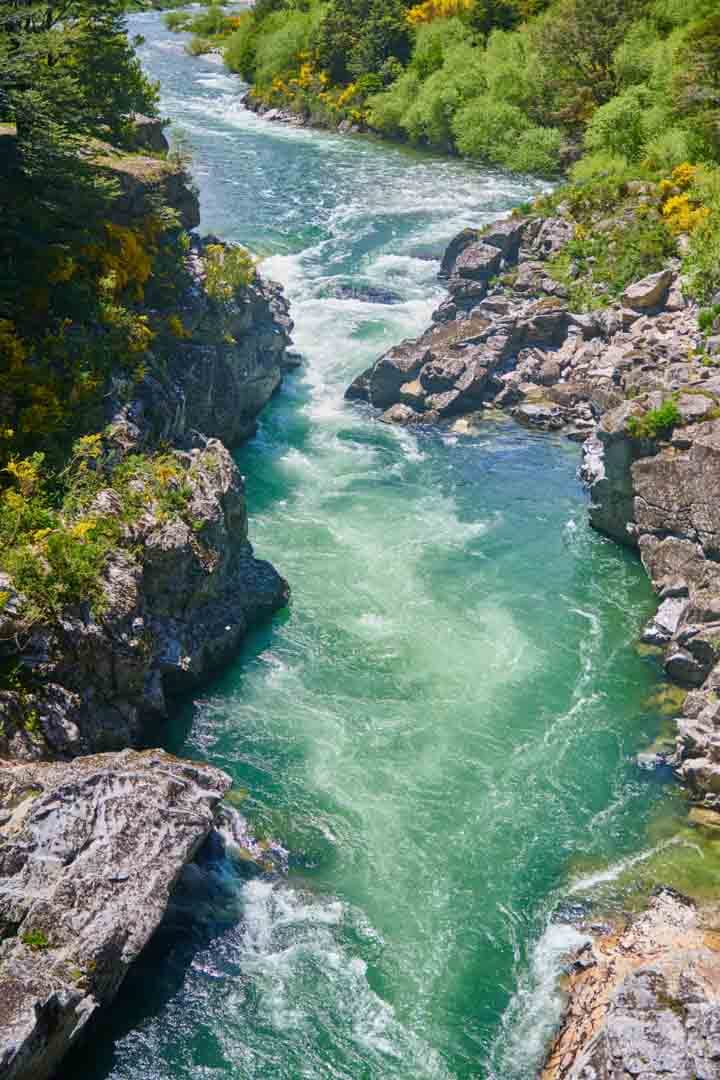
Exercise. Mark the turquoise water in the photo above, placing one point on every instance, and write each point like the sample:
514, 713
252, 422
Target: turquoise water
441, 729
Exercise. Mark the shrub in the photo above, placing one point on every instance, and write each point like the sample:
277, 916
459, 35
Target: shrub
35, 940
385, 111
617, 127
227, 269
656, 423
488, 130
537, 151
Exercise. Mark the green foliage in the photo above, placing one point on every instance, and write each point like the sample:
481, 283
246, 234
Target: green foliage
702, 262
226, 270
35, 940
657, 423
616, 128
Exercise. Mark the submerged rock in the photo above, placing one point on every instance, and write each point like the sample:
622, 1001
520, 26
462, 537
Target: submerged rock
90, 852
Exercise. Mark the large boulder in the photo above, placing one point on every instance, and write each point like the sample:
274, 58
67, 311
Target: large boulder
90, 852
649, 293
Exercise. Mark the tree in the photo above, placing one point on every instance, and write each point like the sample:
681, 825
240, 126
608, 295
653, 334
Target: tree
575, 42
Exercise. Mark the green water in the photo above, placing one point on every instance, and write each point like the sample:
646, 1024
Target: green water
441, 729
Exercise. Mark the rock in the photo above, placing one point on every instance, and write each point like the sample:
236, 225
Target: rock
148, 133
441, 375
400, 414
554, 234
479, 262
223, 372
506, 235
661, 629
651, 292
175, 608
90, 852
549, 372
144, 181
455, 248
369, 294
542, 414
649, 1007
398, 366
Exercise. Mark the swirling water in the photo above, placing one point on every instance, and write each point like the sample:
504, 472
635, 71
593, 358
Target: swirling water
441, 729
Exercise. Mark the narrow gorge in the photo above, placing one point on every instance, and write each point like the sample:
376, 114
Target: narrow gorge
416, 605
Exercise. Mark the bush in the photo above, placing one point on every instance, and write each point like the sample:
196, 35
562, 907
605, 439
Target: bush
656, 423
537, 151
239, 50
226, 270
385, 112
617, 127
488, 130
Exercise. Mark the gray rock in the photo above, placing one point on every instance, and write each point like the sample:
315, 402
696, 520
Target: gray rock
649, 293
176, 607
90, 852
479, 262
148, 133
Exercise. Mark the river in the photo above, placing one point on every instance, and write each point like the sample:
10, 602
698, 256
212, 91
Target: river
441, 730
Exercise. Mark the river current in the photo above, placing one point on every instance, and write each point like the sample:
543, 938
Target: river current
441, 730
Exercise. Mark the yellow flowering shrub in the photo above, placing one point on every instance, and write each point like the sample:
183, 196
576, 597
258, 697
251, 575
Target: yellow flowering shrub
437, 9
682, 213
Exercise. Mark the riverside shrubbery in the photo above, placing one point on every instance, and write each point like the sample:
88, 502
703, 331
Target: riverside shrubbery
523, 84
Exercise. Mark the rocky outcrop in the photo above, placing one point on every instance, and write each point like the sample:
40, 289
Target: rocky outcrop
223, 369
89, 854
178, 598
644, 1000
507, 337
183, 586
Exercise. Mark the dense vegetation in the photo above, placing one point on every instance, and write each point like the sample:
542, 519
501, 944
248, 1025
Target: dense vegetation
86, 295
524, 84
611, 93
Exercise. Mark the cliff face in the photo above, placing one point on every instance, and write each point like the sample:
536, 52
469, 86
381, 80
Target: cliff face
92, 844
183, 586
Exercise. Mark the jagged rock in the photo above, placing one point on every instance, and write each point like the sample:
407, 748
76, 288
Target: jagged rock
455, 248
148, 133
441, 375
651, 292
398, 366
223, 371
664, 625
145, 180
175, 608
552, 237
648, 1007
479, 262
90, 852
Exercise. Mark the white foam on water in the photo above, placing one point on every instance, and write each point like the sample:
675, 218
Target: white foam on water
588, 882
536, 1006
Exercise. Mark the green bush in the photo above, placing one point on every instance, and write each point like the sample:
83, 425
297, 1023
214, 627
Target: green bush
657, 423
617, 127
537, 151
488, 130
385, 112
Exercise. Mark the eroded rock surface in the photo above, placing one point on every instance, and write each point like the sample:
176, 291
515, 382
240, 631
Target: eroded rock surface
644, 1000
89, 853
175, 608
